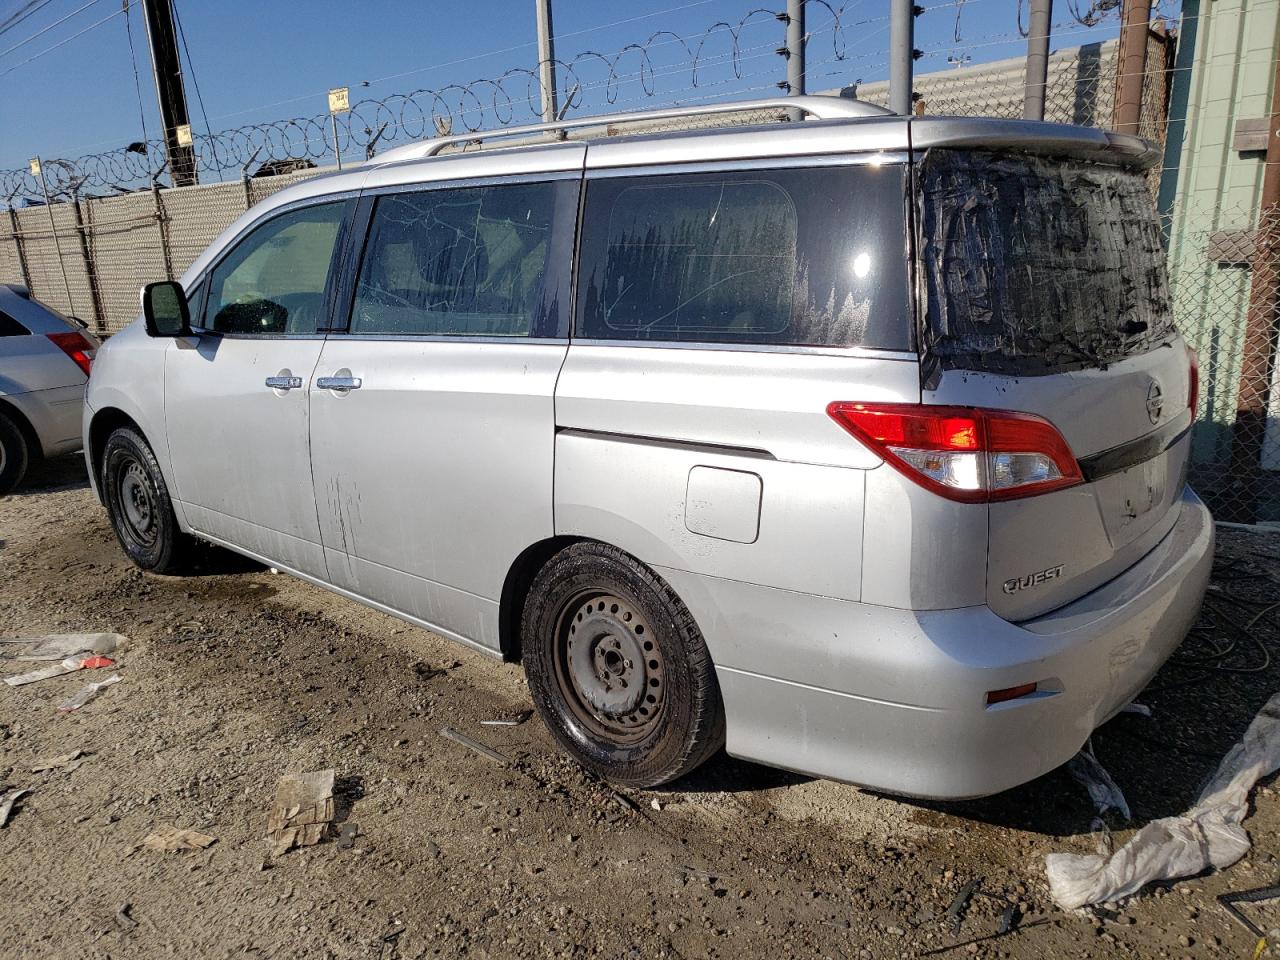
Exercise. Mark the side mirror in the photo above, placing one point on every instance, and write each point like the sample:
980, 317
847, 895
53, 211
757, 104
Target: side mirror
164, 309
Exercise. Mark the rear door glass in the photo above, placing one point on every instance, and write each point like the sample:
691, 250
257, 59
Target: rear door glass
469, 261
1037, 265
804, 256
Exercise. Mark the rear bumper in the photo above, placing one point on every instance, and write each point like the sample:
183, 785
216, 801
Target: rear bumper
896, 700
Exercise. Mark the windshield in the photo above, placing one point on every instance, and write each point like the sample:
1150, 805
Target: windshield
1036, 265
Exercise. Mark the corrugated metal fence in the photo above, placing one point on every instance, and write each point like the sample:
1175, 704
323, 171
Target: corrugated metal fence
106, 249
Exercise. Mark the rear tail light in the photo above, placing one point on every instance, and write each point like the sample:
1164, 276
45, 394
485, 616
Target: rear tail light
75, 346
1193, 383
965, 453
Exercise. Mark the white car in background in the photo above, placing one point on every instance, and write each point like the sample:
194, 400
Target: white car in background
44, 365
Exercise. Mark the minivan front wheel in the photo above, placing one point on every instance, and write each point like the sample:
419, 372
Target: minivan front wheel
138, 503
618, 669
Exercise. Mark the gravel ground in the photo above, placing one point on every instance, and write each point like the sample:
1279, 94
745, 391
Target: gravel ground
236, 677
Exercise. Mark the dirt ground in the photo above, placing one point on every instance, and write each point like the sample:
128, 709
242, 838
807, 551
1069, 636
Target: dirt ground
238, 676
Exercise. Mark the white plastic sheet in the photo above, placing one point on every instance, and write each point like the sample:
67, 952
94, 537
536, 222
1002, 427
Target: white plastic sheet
1208, 835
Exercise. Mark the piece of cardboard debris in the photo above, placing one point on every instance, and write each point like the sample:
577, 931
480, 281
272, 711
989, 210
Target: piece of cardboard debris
172, 839
7, 801
59, 646
303, 811
68, 761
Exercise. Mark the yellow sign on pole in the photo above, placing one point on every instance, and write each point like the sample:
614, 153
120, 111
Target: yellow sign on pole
340, 100
183, 133
35, 166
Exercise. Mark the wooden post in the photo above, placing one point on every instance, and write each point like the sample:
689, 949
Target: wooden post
90, 270
17, 246
164, 234
1131, 65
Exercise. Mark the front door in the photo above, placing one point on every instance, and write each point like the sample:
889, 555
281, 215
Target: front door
432, 446
236, 395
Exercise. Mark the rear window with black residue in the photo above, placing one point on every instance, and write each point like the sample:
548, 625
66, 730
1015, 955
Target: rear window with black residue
1036, 265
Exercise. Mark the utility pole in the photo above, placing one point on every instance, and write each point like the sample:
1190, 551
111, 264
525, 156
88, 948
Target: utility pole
1131, 64
167, 68
902, 54
795, 52
1037, 59
547, 62
1258, 357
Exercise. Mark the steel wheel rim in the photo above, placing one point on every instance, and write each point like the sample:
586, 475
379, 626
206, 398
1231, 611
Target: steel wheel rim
609, 667
137, 500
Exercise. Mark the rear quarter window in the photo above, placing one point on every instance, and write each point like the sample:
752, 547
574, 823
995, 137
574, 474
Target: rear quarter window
10, 327
799, 256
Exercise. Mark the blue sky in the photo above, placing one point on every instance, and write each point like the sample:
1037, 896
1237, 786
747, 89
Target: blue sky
263, 60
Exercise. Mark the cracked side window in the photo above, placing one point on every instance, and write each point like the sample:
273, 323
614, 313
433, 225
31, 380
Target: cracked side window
469, 261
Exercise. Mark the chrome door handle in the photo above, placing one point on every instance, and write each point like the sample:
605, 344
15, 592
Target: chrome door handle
338, 383
284, 383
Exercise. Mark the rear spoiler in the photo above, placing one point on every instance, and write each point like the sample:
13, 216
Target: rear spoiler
1031, 136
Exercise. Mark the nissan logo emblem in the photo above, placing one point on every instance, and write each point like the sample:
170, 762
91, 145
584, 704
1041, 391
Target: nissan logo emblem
1155, 401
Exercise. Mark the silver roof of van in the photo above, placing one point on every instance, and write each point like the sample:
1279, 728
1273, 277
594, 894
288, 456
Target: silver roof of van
835, 124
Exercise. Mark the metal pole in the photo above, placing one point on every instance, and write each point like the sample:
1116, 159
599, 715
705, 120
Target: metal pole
57, 245
547, 62
337, 150
902, 27
795, 53
1257, 361
1037, 59
1131, 64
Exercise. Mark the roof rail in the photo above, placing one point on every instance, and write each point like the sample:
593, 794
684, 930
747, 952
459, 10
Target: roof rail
819, 107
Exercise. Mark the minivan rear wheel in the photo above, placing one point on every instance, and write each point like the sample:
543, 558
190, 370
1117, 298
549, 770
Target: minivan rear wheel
13, 455
138, 503
618, 669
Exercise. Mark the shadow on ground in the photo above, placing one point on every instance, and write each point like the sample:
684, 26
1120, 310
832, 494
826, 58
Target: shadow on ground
67, 472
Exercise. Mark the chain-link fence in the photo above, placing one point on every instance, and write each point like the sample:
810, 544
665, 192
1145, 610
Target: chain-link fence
1227, 301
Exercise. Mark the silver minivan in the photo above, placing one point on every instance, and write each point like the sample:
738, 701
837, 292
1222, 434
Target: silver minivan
857, 445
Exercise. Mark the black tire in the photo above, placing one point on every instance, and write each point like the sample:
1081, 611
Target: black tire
592, 612
138, 503
14, 456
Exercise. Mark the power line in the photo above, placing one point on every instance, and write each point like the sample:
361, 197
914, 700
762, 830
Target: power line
35, 6
133, 62
195, 82
63, 43
478, 56
40, 33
